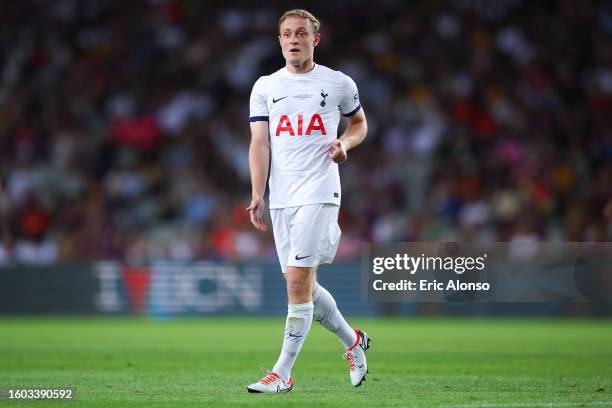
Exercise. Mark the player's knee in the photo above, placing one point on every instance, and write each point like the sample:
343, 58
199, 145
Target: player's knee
299, 284
298, 288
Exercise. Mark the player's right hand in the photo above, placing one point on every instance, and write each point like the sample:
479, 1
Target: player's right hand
256, 209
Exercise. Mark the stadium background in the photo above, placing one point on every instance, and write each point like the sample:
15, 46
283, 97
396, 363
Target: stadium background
124, 133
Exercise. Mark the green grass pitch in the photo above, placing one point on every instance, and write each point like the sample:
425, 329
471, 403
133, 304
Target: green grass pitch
207, 362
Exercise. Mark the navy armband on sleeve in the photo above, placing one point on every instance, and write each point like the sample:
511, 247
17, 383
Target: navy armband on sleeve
351, 113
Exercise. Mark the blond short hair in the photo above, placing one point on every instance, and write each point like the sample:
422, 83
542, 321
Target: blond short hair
316, 24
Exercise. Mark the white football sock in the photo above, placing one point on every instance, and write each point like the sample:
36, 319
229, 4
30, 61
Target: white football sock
297, 326
326, 312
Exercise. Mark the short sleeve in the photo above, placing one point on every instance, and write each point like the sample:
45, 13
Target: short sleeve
349, 104
257, 104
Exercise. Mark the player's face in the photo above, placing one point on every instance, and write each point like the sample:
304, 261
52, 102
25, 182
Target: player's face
298, 40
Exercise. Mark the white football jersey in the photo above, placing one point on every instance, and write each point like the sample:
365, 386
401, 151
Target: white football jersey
303, 113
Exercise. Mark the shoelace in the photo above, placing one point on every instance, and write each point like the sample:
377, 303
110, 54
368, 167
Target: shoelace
271, 377
350, 357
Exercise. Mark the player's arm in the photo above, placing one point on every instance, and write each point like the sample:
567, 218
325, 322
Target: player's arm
259, 158
352, 137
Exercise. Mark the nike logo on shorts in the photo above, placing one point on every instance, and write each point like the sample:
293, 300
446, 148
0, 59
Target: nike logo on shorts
299, 258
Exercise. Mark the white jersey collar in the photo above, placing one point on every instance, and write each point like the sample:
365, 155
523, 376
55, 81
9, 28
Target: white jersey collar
304, 75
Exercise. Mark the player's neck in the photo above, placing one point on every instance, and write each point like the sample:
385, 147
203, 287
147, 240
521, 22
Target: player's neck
301, 69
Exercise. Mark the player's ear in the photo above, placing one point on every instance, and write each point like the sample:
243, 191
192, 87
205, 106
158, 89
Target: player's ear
317, 39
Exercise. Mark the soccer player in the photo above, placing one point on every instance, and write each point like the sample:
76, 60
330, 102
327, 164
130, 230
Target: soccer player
294, 117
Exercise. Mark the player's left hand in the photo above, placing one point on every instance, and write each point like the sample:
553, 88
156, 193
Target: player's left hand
337, 152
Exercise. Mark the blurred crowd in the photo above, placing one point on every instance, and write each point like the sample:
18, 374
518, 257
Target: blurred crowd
124, 124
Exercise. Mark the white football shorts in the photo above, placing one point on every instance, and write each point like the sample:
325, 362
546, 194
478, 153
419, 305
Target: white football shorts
306, 236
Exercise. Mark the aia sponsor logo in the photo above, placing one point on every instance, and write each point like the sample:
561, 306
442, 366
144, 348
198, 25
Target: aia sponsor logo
315, 124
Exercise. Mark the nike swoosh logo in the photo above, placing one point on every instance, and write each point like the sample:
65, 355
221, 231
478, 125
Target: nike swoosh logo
298, 258
294, 335
279, 99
